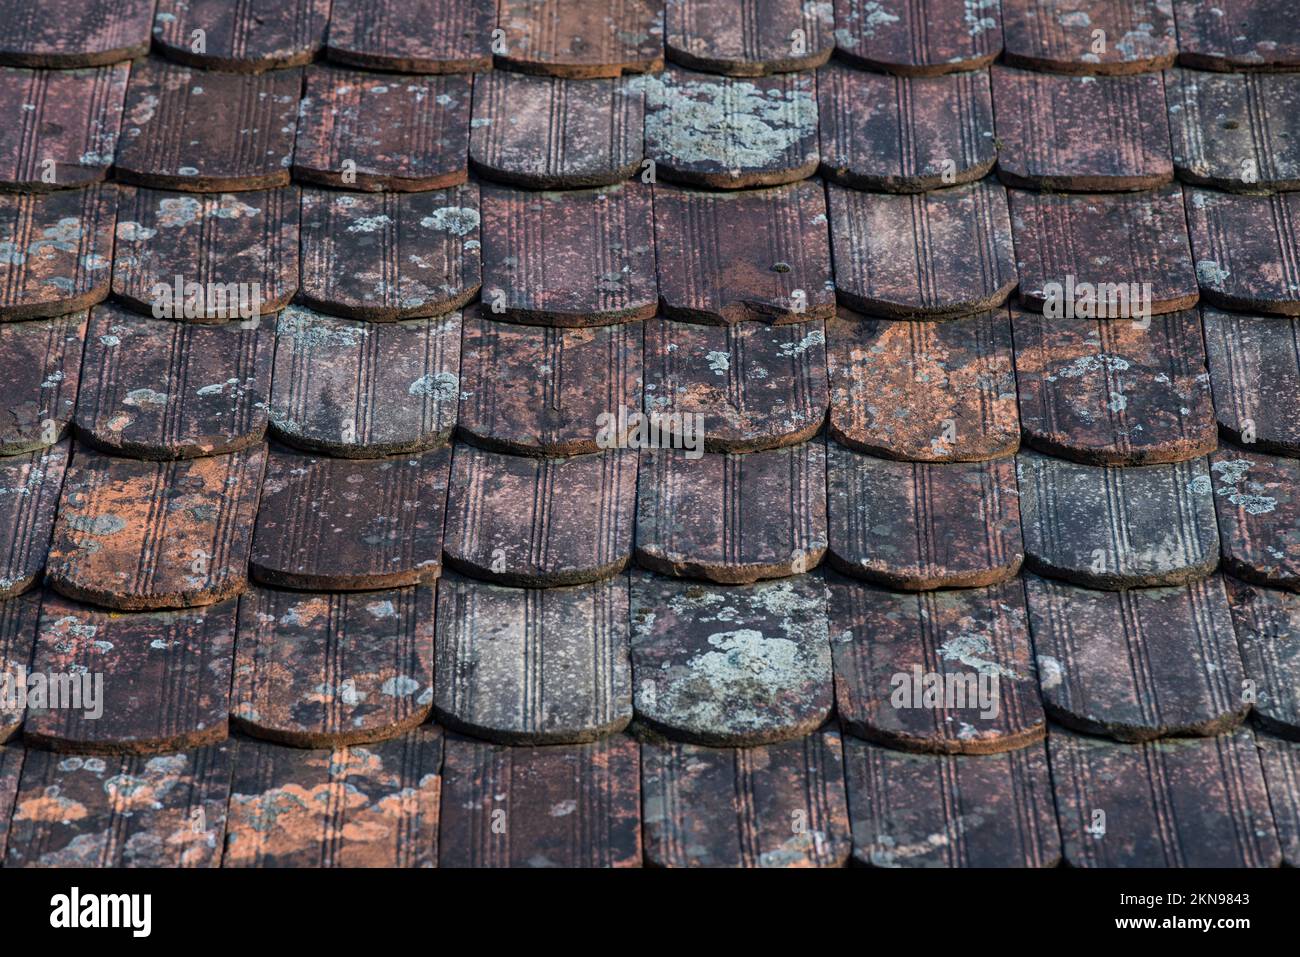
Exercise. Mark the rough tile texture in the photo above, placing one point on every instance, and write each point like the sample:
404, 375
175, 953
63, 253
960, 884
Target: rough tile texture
42, 363
1238, 35
749, 37
1136, 36
18, 618
918, 37
1281, 760
89, 33
1255, 369
1268, 634
246, 37
412, 36
575, 38
29, 496
1257, 498
1247, 250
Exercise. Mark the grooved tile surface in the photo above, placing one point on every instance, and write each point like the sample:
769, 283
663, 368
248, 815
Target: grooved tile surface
1255, 370
1247, 249
748, 37
18, 618
412, 36
88, 33
245, 37
1268, 634
1257, 498
42, 363
918, 37
1089, 36
576, 38
1281, 760
1238, 35
29, 496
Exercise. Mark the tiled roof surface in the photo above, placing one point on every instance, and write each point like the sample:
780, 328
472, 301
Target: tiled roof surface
326, 329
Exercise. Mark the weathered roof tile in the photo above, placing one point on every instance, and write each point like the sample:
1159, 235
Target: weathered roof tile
1255, 370
412, 36
918, 37
18, 618
1257, 498
749, 37
1268, 634
29, 496
575, 38
1238, 35
246, 37
1089, 36
42, 363
1247, 249
85, 33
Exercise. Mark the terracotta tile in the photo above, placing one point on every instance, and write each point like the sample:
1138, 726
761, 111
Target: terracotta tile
1255, 369
540, 522
1238, 35
234, 246
1110, 527
925, 810
542, 391
1257, 498
1069, 240
782, 805
202, 131
533, 665
758, 254
1268, 634
397, 133
922, 525
11, 765
1137, 36
60, 126
756, 386
362, 806
350, 525
731, 667
157, 389
163, 678
553, 133
1197, 803
327, 670
76, 34
245, 38
42, 363
1061, 132
128, 811
57, 251
904, 134
1137, 664
1114, 393
566, 806
1247, 249
749, 37
18, 618
363, 390
412, 36
726, 133
137, 535
575, 38
1235, 131
392, 255
922, 256
575, 258
896, 655
923, 391
918, 37
1281, 761
29, 496
732, 518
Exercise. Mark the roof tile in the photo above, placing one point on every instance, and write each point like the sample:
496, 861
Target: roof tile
1281, 760
1089, 36
574, 38
83, 33
1247, 249
11, 766
1255, 369
29, 496
1257, 498
18, 617
42, 362
918, 37
1268, 634
1238, 35
247, 37
749, 37
412, 36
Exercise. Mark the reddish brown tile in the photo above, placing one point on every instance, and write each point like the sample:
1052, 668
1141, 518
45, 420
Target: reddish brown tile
543, 391
1257, 498
1107, 527
1268, 634
161, 680
1238, 35
1069, 240
749, 37
42, 363
129, 811
566, 806
157, 389
918, 37
730, 667
202, 131
1255, 369
923, 810
732, 518
371, 131
922, 525
1235, 131
246, 37
56, 251
206, 258
923, 256
533, 665
1060, 132
363, 390
18, 617
1089, 36
949, 672
29, 497
540, 522
82, 33
1137, 664
60, 126
327, 670
782, 805
1281, 761
904, 134
1114, 393
350, 525
756, 386
923, 391
576, 258
552, 133
760, 254
371, 806
413, 36
725, 133
11, 765
1247, 249
575, 38
1163, 804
